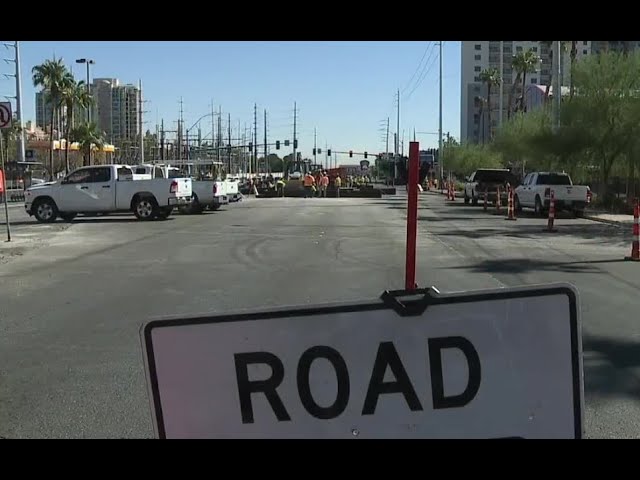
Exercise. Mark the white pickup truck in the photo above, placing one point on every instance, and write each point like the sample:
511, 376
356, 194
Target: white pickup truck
106, 188
535, 192
206, 193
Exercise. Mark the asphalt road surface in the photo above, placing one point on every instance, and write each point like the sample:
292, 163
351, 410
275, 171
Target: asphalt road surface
72, 297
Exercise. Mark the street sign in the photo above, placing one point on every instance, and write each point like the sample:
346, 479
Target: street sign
5, 115
486, 364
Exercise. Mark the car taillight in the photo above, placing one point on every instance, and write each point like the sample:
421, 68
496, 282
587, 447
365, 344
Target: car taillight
589, 195
547, 192
174, 187
215, 188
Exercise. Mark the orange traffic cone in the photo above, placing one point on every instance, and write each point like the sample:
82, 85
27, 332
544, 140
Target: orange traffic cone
552, 214
511, 214
635, 243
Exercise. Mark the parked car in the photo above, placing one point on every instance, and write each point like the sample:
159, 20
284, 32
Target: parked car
535, 192
487, 180
103, 189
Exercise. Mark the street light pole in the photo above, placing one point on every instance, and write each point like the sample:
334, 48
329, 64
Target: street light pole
88, 62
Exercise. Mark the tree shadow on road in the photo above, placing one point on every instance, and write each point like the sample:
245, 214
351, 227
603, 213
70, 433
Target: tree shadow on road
607, 364
428, 220
524, 265
585, 231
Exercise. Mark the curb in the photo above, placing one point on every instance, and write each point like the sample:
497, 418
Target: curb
603, 220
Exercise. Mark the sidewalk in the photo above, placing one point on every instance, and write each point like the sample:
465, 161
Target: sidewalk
611, 218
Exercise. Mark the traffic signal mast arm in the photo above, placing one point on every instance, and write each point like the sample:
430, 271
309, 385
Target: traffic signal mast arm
351, 153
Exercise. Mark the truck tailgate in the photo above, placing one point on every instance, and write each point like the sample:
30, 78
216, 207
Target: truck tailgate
184, 187
570, 193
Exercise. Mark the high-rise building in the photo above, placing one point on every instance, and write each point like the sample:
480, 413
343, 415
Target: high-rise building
125, 119
43, 110
116, 109
481, 55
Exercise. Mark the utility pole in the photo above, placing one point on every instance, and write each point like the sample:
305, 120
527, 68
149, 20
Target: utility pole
21, 151
213, 128
156, 142
295, 112
266, 161
326, 159
440, 115
315, 147
180, 133
557, 90
162, 140
386, 151
249, 150
219, 136
255, 137
501, 101
395, 160
141, 123
229, 145
16, 60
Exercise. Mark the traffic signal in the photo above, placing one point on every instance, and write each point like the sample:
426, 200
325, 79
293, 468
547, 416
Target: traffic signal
319, 151
250, 145
277, 144
286, 143
314, 151
295, 143
329, 152
350, 153
365, 154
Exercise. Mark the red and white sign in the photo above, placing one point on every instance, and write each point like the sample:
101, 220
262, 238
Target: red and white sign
5, 115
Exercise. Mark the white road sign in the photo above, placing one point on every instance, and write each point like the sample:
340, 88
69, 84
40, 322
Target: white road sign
486, 364
5, 115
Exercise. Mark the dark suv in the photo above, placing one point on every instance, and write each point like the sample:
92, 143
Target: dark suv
488, 180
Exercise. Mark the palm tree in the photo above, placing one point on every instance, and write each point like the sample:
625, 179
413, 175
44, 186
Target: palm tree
52, 75
512, 91
88, 137
73, 94
523, 63
492, 78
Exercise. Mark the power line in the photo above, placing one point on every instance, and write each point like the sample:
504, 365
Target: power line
425, 72
427, 48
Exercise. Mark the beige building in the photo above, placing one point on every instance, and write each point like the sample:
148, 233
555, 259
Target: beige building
117, 109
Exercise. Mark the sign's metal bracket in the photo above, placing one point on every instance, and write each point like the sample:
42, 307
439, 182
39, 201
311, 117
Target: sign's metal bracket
411, 306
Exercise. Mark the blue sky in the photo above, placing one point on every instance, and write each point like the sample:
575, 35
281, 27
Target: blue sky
344, 89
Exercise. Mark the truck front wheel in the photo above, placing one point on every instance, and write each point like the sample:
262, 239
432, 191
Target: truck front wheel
45, 210
145, 208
